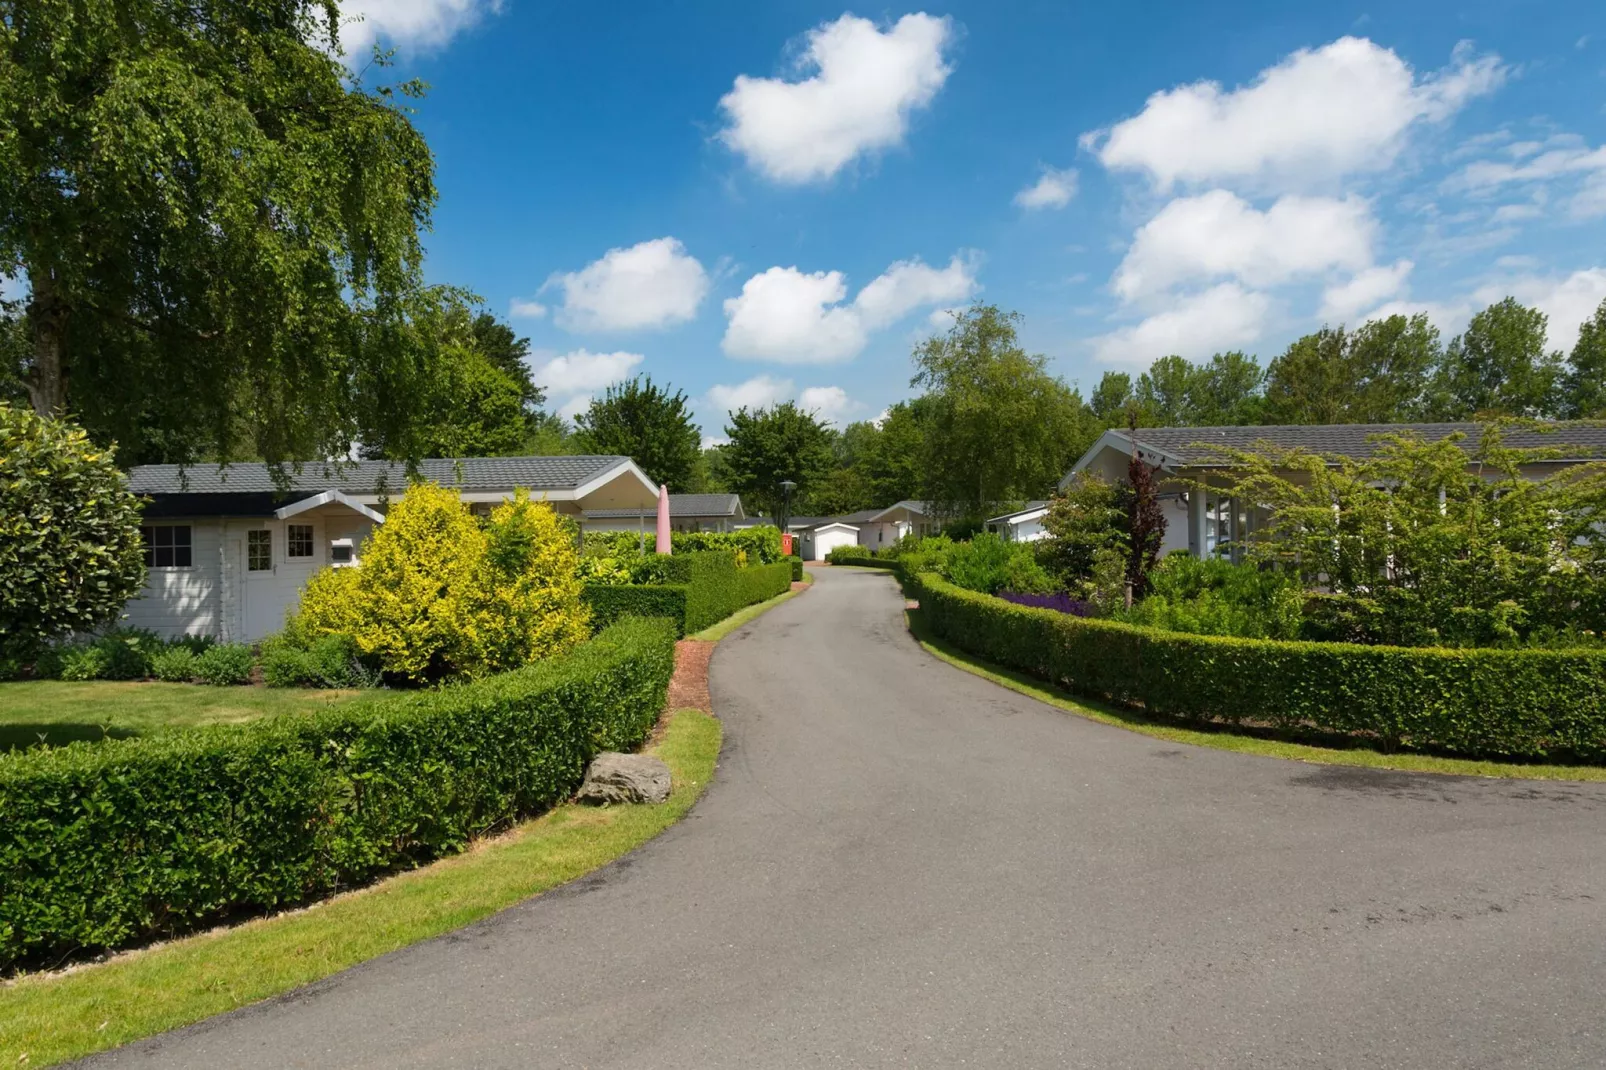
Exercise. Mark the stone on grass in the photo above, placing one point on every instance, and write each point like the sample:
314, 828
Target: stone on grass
625, 778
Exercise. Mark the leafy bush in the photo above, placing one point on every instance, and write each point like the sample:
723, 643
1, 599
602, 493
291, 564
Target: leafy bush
797, 569
761, 543
84, 661
125, 840
1214, 597
1479, 703
331, 661
225, 665
924, 554
70, 550
988, 563
1434, 543
706, 588
853, 554
175, 665
440, 597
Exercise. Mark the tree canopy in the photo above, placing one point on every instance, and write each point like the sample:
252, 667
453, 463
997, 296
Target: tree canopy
219, 228
1001, 427
768, 445
650, 425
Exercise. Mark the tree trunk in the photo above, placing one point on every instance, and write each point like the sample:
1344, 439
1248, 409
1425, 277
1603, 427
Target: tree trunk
47, 379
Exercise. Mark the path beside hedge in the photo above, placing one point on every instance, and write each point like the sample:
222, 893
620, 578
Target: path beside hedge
901, 864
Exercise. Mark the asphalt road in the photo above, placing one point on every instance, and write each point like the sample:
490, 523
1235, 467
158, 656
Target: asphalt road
900, 864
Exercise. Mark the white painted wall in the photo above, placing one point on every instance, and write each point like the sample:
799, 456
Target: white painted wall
817, 544
179, 601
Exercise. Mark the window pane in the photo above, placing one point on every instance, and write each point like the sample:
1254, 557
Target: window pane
298, 540
258, 551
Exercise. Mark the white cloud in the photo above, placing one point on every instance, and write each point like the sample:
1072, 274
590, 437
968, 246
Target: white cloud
1448, 316
1223, 317
1567, 302
583, 371
710, 441
1565, 156
1217, 235
1516, 213
649, 285
1319, 114
522, 308
911, 284
830, 403
574, 406
861, 85
759, 392
1591, 199
419, 24
1054, 189
791, 317
1342, 302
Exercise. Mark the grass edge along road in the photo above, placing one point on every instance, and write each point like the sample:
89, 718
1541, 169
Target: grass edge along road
1226, 739
50, 1018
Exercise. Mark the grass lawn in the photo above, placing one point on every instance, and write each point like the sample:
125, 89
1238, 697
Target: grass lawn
50, 1018
58, 712
1226, 739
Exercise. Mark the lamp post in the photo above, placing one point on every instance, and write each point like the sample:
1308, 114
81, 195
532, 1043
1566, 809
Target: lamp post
787, 487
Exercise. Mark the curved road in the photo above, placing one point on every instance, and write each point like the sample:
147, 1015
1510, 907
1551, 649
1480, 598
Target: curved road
900, 864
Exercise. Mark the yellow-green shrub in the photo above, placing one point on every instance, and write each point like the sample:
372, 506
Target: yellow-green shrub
439, 596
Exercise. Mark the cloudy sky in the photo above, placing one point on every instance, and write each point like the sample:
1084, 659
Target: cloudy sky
757, 202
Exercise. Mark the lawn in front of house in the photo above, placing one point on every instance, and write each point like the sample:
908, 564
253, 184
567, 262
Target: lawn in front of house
57, 712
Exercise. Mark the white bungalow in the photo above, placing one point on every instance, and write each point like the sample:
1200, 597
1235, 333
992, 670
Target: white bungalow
1023, 525
687, 512
228, 550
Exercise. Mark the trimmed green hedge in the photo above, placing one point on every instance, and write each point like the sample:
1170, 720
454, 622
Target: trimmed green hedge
708, 588
111, 843
1479, 703
797, 568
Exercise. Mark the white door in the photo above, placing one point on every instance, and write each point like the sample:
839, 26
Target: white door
280, 556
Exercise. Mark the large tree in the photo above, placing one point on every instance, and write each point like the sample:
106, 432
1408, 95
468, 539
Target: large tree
1584, 388
1377, 373
218, 225
1002, 428
1498, 366
782, 442
648, 424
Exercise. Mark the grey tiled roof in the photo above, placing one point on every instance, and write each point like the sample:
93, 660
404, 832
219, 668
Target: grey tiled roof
1350, 440
372, 477
1028, 507
684, 505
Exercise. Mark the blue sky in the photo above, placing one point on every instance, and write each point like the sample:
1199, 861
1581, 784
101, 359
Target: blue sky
756, 202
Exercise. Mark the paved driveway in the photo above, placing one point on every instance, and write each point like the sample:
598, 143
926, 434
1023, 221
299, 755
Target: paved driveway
900, 864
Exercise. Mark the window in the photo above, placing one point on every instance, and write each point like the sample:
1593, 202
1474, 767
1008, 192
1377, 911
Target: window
298, 540
259, 551
166, 545
341, 552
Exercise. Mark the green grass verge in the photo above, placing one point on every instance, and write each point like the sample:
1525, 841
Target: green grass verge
715, 632
1226, 738
50, 1018
57, 712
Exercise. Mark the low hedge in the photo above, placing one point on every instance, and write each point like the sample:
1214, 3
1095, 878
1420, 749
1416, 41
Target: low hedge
1478, 703
112, 843
708, 588
797, 568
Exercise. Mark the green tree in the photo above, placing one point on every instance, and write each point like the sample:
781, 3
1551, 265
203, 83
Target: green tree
774, 444
70, 550
1498, 366
1378, 373
1001, 427
510, 354
1584, 389
219, 227
891, 464
648, 424
1226, 391
1164, 393
1112, 398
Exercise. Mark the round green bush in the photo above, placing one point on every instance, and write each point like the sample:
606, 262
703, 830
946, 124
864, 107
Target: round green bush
225, 664
70, 549
84, 661
175, 665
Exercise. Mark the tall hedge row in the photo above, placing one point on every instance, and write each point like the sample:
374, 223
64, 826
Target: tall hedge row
1479, 703
111, 843
708, 588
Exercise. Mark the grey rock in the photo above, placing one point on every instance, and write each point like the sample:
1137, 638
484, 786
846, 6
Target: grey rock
625, 778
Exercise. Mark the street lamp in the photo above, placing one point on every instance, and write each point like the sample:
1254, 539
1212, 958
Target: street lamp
787, 487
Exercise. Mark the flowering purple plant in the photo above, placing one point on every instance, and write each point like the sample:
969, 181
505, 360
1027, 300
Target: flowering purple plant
1059, 601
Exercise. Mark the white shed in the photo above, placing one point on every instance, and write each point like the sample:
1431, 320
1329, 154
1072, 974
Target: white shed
820, 540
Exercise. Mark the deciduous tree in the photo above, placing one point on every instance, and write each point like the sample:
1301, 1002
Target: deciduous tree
1498, 366
782, 442
650, 425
